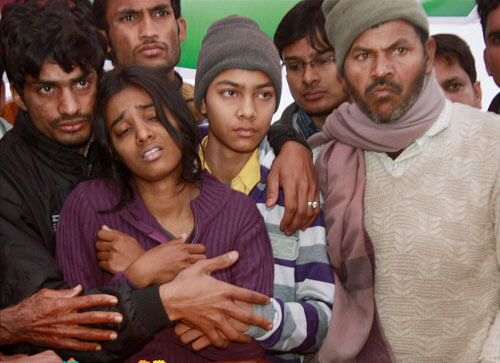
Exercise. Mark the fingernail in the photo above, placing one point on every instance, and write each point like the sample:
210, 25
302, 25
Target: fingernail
105, 227
113, 336
118, 318
113, 300
98, 348
232, 255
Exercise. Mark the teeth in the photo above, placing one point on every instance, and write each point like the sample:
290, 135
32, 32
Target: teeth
150, 152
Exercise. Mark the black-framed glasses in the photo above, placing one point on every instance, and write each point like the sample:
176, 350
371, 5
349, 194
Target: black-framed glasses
296, 67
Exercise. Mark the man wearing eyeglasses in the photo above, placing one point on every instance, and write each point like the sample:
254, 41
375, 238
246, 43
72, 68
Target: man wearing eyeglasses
311, 72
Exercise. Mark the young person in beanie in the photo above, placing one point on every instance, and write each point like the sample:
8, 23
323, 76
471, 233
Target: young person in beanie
238, 87
412, 198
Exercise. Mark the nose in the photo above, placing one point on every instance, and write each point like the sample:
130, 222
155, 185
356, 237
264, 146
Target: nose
69, 104
310, 73
147, 27
246, 109
382, 67
144, 133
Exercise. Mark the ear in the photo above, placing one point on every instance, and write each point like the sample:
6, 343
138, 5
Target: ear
478, 93
430, 52
108, 44
345, 88
181, 24
17, 98
203, 107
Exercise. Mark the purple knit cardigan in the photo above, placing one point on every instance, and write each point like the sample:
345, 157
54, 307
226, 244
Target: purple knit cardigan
224, 220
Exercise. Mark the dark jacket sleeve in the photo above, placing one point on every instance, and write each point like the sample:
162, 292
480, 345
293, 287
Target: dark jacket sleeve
282, 131
28, 265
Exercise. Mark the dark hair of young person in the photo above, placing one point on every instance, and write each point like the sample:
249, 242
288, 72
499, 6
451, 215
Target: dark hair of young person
99, 12
484, 7
454, 49
27, 45
164, 94
304, 19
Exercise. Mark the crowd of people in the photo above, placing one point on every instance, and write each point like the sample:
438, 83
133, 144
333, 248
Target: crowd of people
144, 218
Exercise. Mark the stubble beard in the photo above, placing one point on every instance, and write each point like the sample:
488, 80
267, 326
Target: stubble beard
400, 109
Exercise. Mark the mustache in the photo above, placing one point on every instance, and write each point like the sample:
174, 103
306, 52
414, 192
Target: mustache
78, 117
150, 41
384, 82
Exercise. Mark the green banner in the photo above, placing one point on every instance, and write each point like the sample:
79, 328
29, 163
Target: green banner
199, 14
448, 7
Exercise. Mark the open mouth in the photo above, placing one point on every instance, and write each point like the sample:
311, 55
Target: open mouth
151, 154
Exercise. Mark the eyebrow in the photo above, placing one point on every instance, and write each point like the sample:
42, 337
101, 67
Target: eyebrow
397, 43
493, 34
144, 107
129, 11
237, 85
315, 54
84, 75
122, 115
118, 119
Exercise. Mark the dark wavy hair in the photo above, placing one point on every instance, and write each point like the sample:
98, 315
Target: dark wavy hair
99, 8
484, 7
453, 49
164, 93
58, 31
305, 19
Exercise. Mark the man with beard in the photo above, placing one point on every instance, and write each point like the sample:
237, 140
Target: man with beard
311, 72
149, 33
53, 55
412, 198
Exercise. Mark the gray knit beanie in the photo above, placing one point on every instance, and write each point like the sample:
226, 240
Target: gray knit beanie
345, 20
231, 43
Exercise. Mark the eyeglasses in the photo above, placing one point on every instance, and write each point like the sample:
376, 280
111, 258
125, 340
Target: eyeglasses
297, 67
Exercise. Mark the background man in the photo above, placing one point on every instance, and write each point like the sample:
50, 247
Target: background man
54, 66
310, 68
412, 198
149, 32
456, 70
489, 12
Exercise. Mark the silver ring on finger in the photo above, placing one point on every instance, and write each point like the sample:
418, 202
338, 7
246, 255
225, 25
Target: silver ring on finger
313, 204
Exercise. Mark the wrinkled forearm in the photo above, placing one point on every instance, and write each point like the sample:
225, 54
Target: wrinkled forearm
10, 331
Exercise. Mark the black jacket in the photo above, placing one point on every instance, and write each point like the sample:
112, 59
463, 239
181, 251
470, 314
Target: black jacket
495, 104
36, 176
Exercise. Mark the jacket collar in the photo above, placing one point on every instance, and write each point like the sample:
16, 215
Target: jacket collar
58, 156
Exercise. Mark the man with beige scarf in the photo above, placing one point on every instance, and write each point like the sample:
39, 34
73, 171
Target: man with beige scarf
412, 198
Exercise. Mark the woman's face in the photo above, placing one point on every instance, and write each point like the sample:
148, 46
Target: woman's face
139, 138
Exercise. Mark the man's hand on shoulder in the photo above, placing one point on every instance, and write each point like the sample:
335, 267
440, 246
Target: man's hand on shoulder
293, 170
